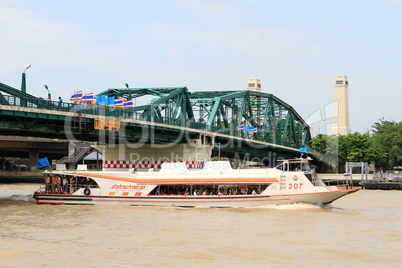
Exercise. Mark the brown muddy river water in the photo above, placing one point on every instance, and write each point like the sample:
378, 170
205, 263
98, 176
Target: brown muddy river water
360, 230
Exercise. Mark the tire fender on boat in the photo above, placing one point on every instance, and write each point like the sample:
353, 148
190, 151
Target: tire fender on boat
87, 191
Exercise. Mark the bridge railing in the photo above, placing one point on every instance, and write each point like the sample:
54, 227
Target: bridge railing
36, 103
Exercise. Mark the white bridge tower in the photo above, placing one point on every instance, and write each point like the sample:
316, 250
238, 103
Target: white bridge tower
340, 123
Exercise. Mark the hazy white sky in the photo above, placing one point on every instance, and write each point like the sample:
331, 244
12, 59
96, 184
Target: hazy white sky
295, 47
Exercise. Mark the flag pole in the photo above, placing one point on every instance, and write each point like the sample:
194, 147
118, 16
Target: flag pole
50, 165
219, 152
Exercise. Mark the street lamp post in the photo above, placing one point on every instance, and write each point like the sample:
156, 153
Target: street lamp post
49, 97
135, 99
23, 83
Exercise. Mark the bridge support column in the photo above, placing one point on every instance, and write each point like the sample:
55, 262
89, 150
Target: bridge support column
71, 152
124, 156
33, 159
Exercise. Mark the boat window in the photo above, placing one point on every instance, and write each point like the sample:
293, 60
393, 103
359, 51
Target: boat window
305, 167
309, 177
240, 189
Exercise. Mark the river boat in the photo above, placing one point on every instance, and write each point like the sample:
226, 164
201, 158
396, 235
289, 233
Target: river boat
216, 185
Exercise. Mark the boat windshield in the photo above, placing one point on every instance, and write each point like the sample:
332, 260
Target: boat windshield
294, 165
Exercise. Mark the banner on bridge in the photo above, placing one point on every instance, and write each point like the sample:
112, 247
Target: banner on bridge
105, 124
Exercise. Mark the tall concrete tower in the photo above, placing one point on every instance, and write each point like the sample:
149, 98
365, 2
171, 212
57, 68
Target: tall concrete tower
254, 84
340, 123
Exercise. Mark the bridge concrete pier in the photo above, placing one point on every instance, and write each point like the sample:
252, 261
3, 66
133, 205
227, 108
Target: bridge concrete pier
71, 152
32, 148
33, 158
126, 156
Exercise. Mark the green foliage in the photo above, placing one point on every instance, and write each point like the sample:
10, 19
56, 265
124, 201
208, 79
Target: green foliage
337, 150
326, 148
359, 148
387, 144
384, 148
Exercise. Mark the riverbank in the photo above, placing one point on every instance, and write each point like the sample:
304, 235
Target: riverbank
21, 177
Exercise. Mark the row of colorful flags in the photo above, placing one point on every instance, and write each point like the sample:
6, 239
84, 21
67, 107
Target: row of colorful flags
247, 129
102, 100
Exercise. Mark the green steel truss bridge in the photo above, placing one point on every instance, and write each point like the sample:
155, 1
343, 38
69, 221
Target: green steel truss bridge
169, 115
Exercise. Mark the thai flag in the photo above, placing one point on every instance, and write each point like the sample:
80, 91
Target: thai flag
119, 102
347, 174
254, 130
241, 127
76, 96
128, 104
88, 97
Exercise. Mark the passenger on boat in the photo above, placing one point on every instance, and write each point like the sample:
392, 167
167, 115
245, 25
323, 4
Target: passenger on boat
221, 192
229, 192
195, 191
205, 192
72, 185
58, 184
186, 191
65, 184
254, 191
54, 184
213, 192
238, 191
48, 188
247, 191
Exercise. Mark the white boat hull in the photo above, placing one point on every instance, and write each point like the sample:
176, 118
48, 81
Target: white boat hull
195, 201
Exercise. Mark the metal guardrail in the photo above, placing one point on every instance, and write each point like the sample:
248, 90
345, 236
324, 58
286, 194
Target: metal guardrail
79, 154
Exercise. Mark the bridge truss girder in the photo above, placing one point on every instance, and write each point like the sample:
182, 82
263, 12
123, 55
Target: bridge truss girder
222, 112
276, 121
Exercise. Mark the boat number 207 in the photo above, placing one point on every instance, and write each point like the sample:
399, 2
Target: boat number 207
295, 185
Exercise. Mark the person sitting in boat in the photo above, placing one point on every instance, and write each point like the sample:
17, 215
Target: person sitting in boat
254, 191
195, 191
213, 192
247, 191
238, 191
221, 192
205, 192
229, 192
186, 191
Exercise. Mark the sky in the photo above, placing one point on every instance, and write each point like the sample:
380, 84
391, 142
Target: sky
296, 48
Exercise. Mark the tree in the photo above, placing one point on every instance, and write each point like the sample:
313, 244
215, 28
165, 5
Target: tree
326, 151
387, 143
337, 150
359, 148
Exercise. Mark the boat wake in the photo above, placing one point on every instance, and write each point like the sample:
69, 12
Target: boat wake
295, 206
18, 200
